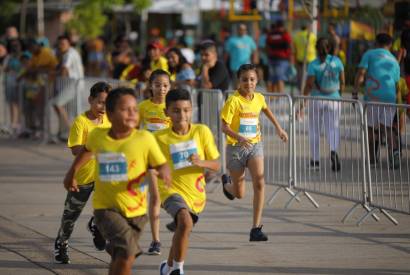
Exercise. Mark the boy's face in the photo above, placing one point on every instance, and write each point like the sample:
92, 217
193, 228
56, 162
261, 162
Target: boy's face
247, 81
154, 53
160, 86
208, 56
97, 104
125, 116
180, 112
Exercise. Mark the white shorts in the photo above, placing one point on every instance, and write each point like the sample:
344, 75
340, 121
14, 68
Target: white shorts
377, 115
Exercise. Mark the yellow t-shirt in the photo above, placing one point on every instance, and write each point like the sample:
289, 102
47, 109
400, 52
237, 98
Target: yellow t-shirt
152, 116
299, 40
79, 131
187, 180
242, 116
161, 63
120, 170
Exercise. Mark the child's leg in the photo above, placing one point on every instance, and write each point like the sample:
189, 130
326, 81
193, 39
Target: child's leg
121, 265
73, 206
331, 118
255, 166
315, 124
237, 188
154, 204
181, 237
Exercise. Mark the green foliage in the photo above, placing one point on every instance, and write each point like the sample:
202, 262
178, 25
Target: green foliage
9, 8
89, 18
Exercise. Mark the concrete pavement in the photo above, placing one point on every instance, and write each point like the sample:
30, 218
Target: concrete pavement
302, 240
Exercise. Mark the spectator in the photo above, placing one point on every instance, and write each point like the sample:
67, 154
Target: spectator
241, 49
278, 47
120, 56
214, 74
181, 71
157, 61
304, 46
71, 71
404, 55
381, 71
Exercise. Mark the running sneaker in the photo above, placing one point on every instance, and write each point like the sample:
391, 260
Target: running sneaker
257, 235
162, 268
226, 180
335, 161
314, 165
98, 239
176, 272
61, 252
154, 248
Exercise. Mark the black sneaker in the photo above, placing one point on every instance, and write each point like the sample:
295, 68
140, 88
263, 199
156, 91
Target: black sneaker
176, 272
314, 165
154, 248
335, 161
61, 252
99, 241
257, 235
225, 180
172, 226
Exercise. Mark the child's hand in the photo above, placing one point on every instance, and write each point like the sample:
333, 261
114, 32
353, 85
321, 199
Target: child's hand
283, 135
243, 141
71, 185
195, 160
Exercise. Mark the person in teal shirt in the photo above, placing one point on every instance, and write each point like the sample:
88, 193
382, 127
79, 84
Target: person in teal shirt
240, 49
326, 79
381, 71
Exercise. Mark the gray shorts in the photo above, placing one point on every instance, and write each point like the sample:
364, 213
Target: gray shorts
174, 203
237, 156
122, 233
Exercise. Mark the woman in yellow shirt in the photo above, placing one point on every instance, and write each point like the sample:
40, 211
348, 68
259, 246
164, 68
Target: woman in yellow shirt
240, 123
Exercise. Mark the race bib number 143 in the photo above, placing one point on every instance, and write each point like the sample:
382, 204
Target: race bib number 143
112, 167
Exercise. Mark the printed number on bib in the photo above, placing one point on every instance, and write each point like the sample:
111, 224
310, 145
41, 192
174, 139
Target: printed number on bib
112, 166
181, 152
248, 127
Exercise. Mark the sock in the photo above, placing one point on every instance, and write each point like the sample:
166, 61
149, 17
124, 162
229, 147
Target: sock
178, 265
166, 269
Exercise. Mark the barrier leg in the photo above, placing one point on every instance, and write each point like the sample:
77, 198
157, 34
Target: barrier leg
311, 199
292, 199
368, 209
350, 212
273, 195
362, 219
390, 217
287, 189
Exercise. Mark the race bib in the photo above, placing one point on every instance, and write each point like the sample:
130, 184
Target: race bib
113, 167
180, 153
248, 127
153, 127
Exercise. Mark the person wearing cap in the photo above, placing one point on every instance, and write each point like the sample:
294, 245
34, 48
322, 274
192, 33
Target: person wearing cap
157, 61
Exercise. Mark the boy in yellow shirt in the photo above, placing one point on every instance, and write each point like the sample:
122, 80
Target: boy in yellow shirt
153, 118
76, 199
123, 155
240, 123
190, 149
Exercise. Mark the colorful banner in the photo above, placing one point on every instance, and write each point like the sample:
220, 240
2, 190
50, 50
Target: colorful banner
361, 31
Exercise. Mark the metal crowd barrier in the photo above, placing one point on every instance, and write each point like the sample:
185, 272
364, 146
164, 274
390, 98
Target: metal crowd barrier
387, 165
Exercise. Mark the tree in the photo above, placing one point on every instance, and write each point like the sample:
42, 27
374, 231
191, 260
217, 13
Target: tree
89, 18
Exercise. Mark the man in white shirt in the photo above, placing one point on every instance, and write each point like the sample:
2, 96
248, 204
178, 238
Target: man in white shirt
70, 73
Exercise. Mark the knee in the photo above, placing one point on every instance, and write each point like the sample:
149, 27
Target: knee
185, 222
258, 183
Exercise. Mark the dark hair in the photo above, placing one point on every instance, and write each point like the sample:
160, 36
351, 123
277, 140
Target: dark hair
98, 88
323, 47
64, 37
115, 95
207, 45
383, 39
244, 68
181, 57
157, 73
177, 94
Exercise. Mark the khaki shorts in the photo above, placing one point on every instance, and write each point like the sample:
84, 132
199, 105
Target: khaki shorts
121, 233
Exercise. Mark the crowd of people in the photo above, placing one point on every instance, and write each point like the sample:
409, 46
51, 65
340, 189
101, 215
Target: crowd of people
176, 151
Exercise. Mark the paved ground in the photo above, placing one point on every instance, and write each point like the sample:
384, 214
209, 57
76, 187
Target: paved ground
303, 239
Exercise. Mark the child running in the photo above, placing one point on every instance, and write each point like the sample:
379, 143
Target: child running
190, 149
77, 197
123, 154
240, 123
153, 118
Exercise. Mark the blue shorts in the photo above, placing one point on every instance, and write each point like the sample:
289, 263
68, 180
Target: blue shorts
278, 69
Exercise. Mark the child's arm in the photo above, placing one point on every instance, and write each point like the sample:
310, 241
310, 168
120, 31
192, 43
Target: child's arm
243, 141
76, 150
281, 133
69, 181
209, 164
164, 173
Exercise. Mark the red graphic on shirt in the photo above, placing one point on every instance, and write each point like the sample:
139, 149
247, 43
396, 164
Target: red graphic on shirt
198, 184
199, 203
137, 180
140, 203
372, 85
